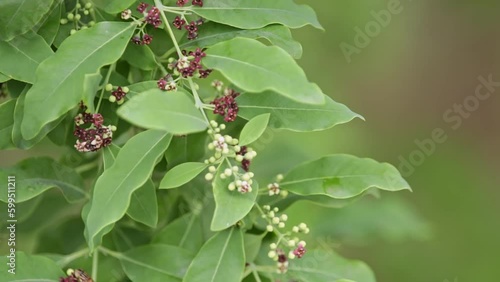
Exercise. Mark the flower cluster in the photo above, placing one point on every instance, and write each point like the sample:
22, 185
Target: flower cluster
145, 39
226, 105
189, 64
118, 95
95, 136
152, 16
81, 16
288, 246
274, 188
192, 27
182, 3
226, 147
76, 276
167, 83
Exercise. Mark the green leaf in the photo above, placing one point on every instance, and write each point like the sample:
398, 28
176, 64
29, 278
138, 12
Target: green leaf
252, 245
325, 265
19, 16
138, 88
255, 67
214, 33
140, 56
17, 138
37, 175
50, 26
186, 148
254, 129
60, 78
258, 13
113, 6
342, 177
30, 268
132, 168
90, 87
181, 175
144, 206
26, 52
6, 124
222, 258
185, 232
170, 111
231, 206
292, 115
4, 78
156, 263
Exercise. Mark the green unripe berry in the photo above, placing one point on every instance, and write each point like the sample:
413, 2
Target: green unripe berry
78, 17
78, 5
71, 16
86, 12
91, 23
73, 31
84, 27
88, 5
112, 99
64, 21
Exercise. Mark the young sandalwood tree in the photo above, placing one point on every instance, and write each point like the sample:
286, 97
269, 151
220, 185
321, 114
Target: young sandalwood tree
157, 109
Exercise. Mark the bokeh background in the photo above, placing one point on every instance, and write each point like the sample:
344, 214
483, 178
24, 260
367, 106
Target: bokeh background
427, 59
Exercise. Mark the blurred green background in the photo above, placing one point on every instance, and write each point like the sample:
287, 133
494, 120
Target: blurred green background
427, 59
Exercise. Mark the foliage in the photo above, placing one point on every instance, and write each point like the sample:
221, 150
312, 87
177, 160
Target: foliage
156, 164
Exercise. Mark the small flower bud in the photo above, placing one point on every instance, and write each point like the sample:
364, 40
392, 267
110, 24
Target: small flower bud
228, 172
213, 123
209, 176
223, 176
86, 12
239, 158
73, 31
78, 17
281, 225
276, 220
212, 169
126, 14
88, 5
222, 126
78, 5
271, 254
70, 16
284, 217
269, 228
295, 229
109, 87
235, 169
291, 255
291, 243
273, 246
302, 226
212, 160
125, 89
279, 177
64, 21
231, 186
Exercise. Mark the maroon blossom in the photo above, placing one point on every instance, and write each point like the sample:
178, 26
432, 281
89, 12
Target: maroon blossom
142, 7
146, 39
181, 3
119, 93
137, 40
226, 105
245, 164
179, 22
153, 17
300, 251
198, 3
